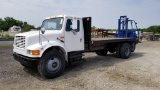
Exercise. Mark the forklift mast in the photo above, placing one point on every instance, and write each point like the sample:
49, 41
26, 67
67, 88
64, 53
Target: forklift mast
123, 31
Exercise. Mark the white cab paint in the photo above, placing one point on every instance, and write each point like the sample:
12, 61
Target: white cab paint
72, 41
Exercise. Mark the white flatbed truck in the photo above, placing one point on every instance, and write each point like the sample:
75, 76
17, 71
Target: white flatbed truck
61, 40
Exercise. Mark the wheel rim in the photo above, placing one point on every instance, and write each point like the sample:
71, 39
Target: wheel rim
53, 64
126, 51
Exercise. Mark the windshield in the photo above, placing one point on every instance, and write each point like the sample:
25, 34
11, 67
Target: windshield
53, 24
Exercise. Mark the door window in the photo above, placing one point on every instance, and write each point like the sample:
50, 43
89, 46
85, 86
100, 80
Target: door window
70, 23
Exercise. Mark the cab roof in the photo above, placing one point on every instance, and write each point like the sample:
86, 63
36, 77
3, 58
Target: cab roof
68, 16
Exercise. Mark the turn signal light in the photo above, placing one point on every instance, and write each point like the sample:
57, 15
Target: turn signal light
61, 36
35, 52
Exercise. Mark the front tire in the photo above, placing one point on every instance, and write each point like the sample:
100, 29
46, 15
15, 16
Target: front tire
51, 65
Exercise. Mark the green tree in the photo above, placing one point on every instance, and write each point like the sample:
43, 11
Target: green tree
93, 27
28, 27
8, 22
154, 29
1, 22
158, 29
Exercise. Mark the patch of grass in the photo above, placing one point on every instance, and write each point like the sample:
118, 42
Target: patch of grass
6, 36
2, 45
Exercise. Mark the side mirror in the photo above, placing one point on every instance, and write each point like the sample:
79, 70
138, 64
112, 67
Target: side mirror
74, 24
43, 30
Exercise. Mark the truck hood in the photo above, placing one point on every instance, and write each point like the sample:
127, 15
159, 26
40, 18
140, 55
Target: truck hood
28, 33
33, 37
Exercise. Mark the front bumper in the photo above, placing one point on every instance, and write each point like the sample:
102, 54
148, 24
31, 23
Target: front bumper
26, 61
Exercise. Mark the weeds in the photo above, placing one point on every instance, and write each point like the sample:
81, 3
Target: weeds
6, 36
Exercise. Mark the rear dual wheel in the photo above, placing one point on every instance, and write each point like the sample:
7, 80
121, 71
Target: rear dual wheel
133, 47
123, 50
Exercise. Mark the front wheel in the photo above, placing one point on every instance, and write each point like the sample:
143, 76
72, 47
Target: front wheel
52, 64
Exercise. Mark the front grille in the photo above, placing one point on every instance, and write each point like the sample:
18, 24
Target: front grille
20, 41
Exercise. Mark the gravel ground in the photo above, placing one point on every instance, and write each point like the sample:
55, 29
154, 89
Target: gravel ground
140, 72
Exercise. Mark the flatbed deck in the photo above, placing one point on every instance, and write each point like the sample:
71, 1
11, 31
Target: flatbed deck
101, 43
111, 39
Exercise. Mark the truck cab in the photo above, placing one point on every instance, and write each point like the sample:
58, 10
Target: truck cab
62, 31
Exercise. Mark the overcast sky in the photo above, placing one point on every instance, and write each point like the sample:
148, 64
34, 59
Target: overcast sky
105, 13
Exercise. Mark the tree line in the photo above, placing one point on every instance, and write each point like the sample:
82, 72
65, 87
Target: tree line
8, 22
154, 28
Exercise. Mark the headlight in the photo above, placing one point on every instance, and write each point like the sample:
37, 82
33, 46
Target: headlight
33, 52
